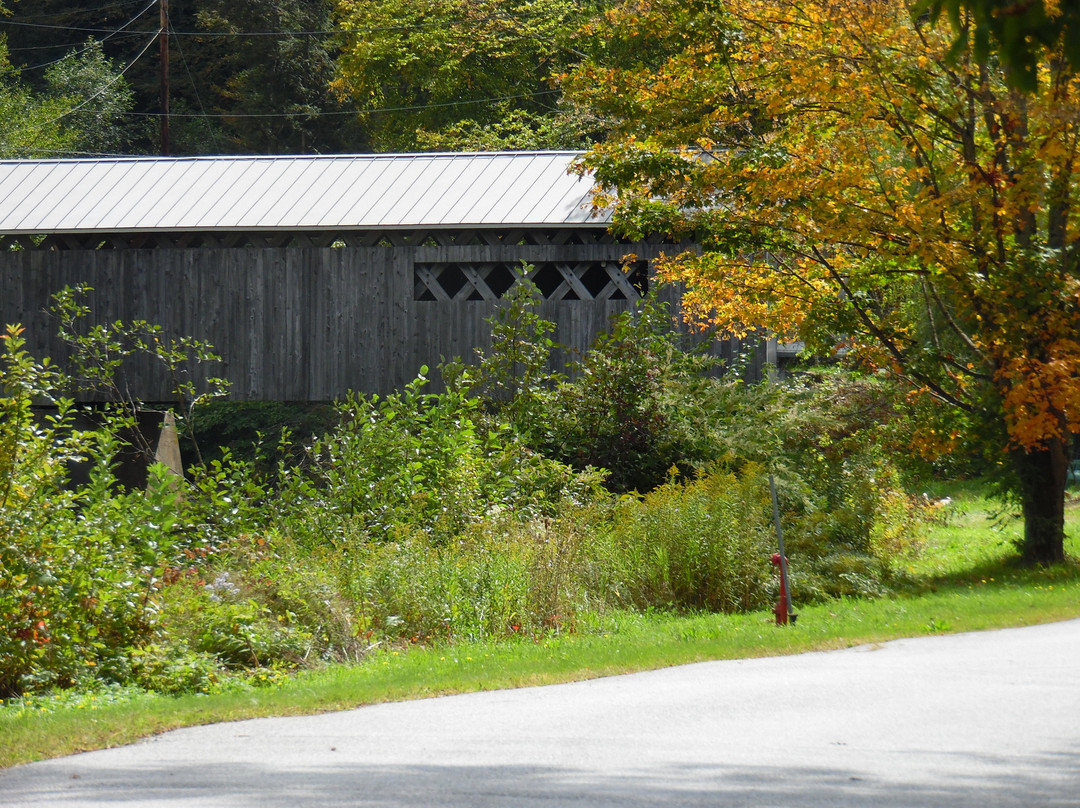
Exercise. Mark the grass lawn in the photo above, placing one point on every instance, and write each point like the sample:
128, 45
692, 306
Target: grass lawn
964, 581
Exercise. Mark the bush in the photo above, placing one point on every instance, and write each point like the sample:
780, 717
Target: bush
79, 570
415, 591
630, 405
415, 463
701, 544
834, 441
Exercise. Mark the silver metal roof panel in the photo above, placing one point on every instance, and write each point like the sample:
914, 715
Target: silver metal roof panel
403, 196
293, 192
338, 202
42, 184
484, 184
441, 194
542, 181
305, 199
362, 199
501, 187
132, 193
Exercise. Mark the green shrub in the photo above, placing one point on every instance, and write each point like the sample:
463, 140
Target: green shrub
79, 570
835, 441
415, 591
259, 600
415, 462
630, 405
174, 668
701, 544
514, 377
504, 577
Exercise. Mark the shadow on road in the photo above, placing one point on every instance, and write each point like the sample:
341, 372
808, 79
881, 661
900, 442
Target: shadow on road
1050, 781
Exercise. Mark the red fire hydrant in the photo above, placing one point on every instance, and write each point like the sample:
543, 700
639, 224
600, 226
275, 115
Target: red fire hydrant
782, 610
784, 614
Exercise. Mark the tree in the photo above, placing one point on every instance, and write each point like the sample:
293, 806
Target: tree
444, 74
273, 91
29, 126
49, 45
250, 76
1020, 32
99, 97
856, 181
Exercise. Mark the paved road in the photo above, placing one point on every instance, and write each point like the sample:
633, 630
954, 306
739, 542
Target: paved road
990, 719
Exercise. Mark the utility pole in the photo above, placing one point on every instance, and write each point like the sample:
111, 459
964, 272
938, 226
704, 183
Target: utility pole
163, 40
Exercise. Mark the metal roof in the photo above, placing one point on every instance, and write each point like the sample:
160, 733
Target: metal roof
148, 194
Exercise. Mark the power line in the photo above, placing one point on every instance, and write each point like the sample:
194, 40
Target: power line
506, 15
322, 113
109, 84
104, 39
57, 27
57, 45
191, 78
106, 7
71, 153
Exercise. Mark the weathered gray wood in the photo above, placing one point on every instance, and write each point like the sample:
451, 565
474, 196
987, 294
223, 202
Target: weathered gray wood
308, 322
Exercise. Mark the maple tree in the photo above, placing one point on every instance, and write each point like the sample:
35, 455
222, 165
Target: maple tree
857, 180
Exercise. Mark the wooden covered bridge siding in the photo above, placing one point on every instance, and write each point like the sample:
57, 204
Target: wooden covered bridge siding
312, 316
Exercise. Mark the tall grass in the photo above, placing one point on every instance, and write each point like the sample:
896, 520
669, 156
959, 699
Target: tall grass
972, 586
702, 544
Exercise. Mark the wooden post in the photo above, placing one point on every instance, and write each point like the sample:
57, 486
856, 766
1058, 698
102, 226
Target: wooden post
163, 40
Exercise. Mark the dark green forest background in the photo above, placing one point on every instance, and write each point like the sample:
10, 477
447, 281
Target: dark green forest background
292, 76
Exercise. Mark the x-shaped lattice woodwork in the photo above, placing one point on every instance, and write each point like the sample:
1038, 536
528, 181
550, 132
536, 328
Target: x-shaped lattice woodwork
587, 280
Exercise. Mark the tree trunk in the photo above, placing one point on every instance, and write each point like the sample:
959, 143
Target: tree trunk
1043, 474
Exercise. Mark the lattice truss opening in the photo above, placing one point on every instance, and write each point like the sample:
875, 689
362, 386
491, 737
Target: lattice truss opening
556, 280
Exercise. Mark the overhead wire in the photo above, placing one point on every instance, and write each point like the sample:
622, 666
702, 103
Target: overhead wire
58, 45
106, 7
88, 47
107, 85
187, 69
71, 153
505, 15
321, 113
80, 29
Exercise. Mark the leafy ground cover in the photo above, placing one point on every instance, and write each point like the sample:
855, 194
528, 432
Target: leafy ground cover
965, 580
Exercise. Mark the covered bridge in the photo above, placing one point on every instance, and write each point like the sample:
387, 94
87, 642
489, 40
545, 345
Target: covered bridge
313, 275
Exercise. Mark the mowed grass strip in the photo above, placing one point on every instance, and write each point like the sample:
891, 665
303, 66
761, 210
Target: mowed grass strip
963, 582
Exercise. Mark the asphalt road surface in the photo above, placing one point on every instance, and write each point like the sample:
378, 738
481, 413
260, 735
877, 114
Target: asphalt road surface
988, 719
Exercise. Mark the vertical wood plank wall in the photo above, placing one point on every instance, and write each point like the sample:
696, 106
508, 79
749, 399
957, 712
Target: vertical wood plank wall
297, 323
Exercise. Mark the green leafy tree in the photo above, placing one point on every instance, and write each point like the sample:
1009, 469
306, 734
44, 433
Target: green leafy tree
273, 91
49, 42
457, 73
30, 126
245, 77
99, 97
